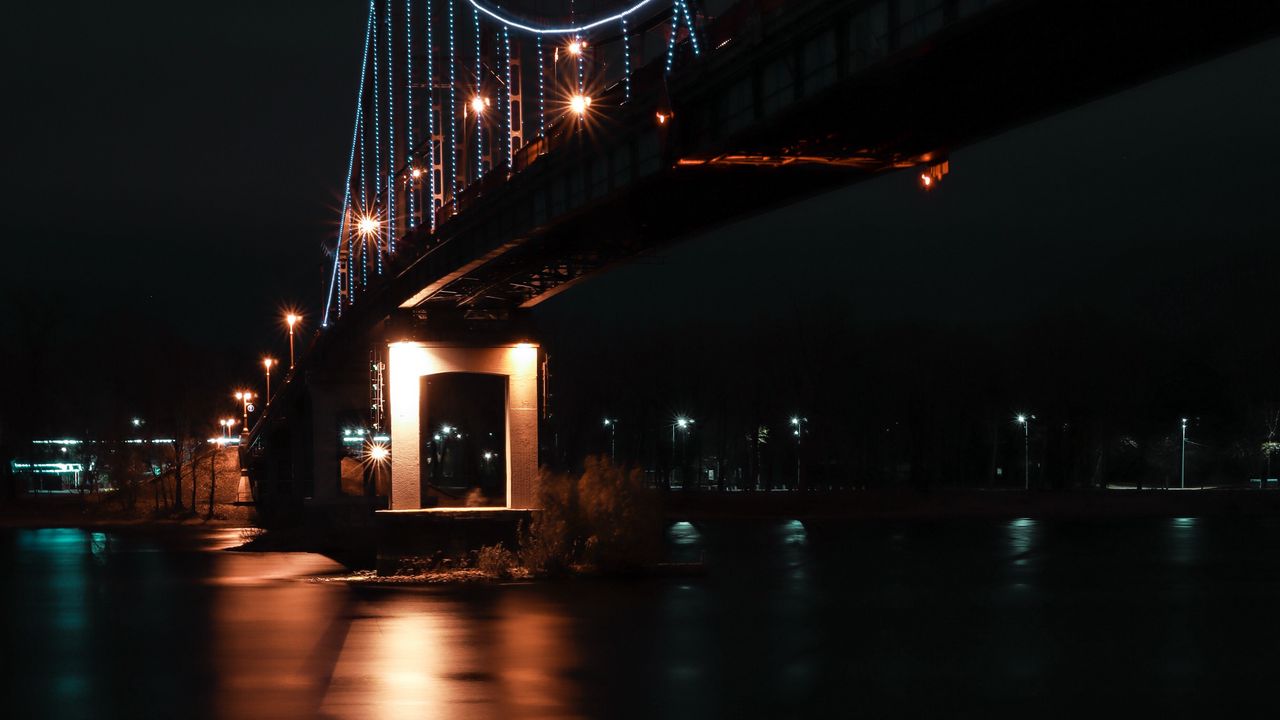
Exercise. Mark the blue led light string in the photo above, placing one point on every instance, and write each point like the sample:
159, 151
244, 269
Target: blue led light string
506, 114
431, 126
582, 64
377, 123
671, 42
364, 211
364, 175
693, 29
542, 93
351, 162
453, 110
408, 84
377, 153
573, 28
475, 13
391, 137
626, 62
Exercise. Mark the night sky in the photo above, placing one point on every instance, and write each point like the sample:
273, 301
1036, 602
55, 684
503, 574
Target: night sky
179, 169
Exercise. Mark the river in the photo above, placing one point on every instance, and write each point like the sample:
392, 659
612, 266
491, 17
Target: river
1172, 616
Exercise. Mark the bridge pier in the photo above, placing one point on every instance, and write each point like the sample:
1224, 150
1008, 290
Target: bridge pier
412, 365
327, 403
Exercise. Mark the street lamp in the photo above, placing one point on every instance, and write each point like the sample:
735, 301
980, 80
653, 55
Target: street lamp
579, 104
266, 364
291, 319
612, 425
1183, 472
798, 422
1025, 421
683, 424
244, 396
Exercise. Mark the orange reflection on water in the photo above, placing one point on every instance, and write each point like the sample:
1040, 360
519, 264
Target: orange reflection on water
422, 655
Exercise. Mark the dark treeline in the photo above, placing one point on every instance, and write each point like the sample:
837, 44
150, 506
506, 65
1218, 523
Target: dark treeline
69, 371
930, 404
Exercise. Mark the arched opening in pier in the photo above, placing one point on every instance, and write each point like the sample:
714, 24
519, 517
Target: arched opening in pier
463, 439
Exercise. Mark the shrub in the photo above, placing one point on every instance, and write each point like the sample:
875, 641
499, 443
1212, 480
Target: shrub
496, 561
621, 515
546, 544
607, 517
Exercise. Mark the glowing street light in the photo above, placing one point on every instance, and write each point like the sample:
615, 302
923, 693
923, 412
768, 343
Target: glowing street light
611, 424
291, 319
136, 422
266, 364
798, 422
1025, 421
1184, 454
576, 47
378, 452
579, 104
478, 104
683, 424
933, 174
367, 225
244, 396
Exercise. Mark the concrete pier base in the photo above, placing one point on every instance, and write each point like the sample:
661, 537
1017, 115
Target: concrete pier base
454, 532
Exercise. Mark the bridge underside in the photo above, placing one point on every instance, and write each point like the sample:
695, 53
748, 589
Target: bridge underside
737, 137
976, 78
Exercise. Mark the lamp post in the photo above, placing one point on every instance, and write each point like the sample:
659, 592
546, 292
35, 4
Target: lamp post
244, 396
291, 319
1183, 472
683, 424
612, 425
266, 364
1025, 420
798, 422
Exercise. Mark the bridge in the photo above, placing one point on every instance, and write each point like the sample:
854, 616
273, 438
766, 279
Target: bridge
501, 154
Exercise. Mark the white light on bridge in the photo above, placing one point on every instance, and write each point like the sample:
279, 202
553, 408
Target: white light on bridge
579, 104
368, 225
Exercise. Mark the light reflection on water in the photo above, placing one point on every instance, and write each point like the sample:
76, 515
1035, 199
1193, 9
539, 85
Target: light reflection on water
792, 619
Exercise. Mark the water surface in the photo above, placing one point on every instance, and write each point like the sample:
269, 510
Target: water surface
793, 619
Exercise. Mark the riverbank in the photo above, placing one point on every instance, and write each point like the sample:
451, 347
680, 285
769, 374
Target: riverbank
944, 504
101, 511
